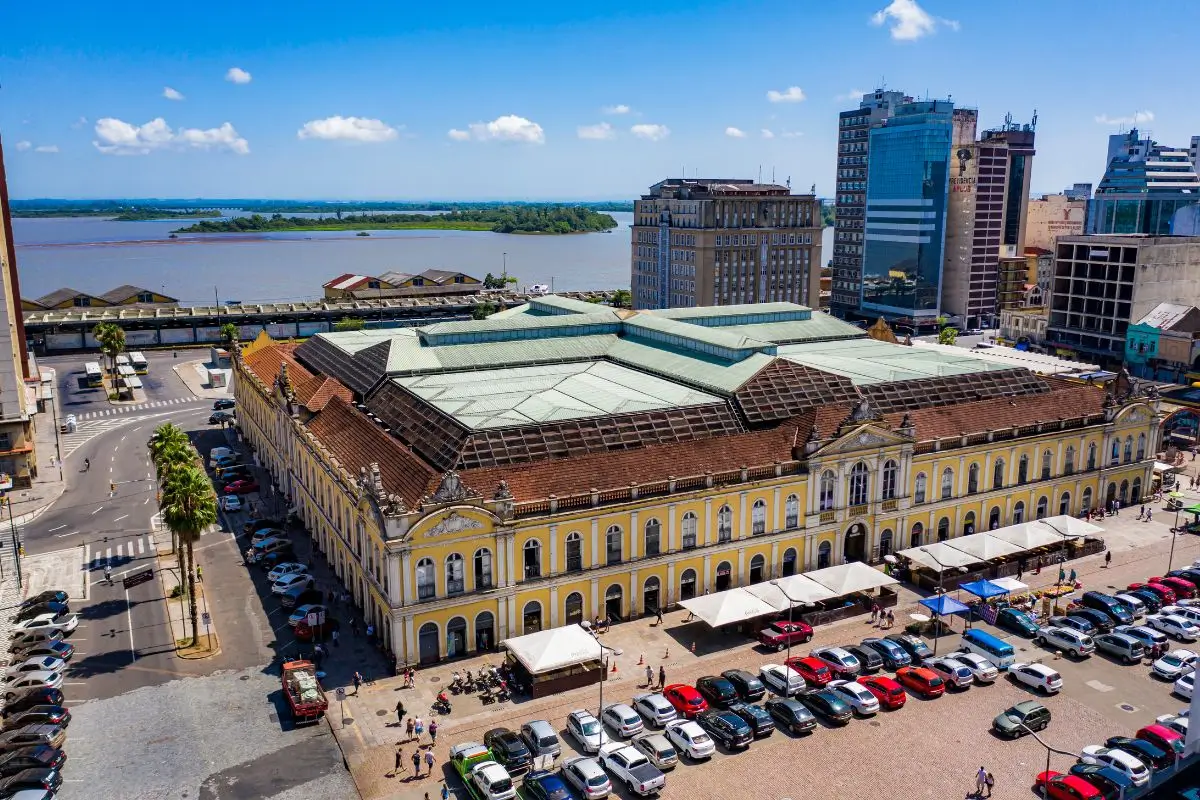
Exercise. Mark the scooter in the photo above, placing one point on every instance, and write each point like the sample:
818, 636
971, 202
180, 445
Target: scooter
486, 696
441, 705
502, 693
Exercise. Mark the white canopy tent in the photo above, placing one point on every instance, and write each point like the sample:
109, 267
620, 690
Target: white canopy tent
546, 651
1070, 527
728, 607
851, 577
939, 556
1011, 584
1029, 535
983, 546
793, 590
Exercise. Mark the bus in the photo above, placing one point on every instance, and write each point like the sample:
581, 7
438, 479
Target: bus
94, 375
995, 650
122, 361
139, 363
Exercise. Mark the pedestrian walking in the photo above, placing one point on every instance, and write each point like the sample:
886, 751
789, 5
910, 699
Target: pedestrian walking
980, 781
1107, 558
334, 636
1020, 569
419, 728
891, 618
416, 758
1073, 578
433, 726
874, 612
199, 574
989, 782
399, 712
409, 729
660, 615
108, 574
445, 792
410, 678
399, 760
649, 677
357, 682
662, 676
429, 760
1142, 513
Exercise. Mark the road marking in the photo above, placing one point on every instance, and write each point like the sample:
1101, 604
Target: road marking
141, 543
118, 519
74, 683
129, 619
98, 510
59, 528
108, 554
122, 438
68, 533
147, 500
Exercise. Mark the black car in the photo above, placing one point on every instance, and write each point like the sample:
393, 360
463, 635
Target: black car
1109, 781
299, 596
1142, 750
913, 645
218, 417
276, 557
53, 648
222, 404
756, 717
509, 749
727, 728
38, 715
828, 706
718, 692
894, 656
34, 778
1152, 601
1100, 621
41, 757
868, 657
26, 699
791, 714
545, 786
50, 596
747, 684
262, 524
41, 608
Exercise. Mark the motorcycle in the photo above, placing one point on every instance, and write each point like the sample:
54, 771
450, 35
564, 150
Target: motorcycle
486, 696
502, 694
441, 705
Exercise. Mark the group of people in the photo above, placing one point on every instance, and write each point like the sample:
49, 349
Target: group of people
884, 619
662, 677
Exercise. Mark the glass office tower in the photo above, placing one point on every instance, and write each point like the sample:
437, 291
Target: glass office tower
907, 190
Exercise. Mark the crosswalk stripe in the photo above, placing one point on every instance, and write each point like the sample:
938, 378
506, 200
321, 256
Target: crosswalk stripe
141, 546
108, 554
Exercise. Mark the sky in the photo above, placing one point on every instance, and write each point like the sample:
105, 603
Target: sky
541, 100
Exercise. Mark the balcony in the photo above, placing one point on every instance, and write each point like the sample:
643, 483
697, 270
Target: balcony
889, 505
828, 516
859, 511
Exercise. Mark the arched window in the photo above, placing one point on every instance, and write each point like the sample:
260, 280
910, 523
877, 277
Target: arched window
943, 530
531, 617
998, 474
613, 545
1047, 465
574, 552
918, 530
919, 494
690, 523
1064, 503
574, 608
426, 579
758, 566
994, 518
828, 479
947, 483
823, 555
1116, 451
1087, 499
455, 578
1128, 449
1124, 493
1091, 462
1141, 446
1018, 513
533, 559
758, 517
885, 542
1136, 491
858, 485
653, 537
687, 584
891, 474
1043, 506
973, 479
791, 512
483, 569
1023, 469
789, 562
969, 523
1069, 459
724, 524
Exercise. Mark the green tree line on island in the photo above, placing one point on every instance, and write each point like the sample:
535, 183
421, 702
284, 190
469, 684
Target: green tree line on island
50, 207
502, 219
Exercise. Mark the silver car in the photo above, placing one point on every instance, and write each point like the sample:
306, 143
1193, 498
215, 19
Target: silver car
658, 749
622, 719
984, 671
654, 708
541, 739
587, 776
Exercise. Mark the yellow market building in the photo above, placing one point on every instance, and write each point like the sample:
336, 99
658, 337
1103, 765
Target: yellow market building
471, 481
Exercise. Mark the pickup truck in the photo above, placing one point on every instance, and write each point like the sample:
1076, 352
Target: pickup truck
483, 777
630, 766
304, 694
778, 635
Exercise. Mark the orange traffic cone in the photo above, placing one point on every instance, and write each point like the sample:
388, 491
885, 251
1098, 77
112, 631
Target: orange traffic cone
641, 659
614, 669
666, 652
693, 647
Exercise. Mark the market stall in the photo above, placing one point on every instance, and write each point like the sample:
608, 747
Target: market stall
555, 660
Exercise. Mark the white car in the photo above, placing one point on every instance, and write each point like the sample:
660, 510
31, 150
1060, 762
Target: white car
1185, 685
63, 622
1072, 642
34, 680
1039, 676
1119, 760
288, 581
856, 695
955, 674
587, 730
1136, 606
841, 662
588, 778
1174, 625
1176, 722
1174, 664
40, 664
985, 672
1192, 615
622, 719
655, 708
629, 766
287, 568
492, 781
689, 738
783, 681
231, 502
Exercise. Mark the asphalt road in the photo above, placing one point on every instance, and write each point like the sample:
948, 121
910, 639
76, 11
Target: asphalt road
76, 397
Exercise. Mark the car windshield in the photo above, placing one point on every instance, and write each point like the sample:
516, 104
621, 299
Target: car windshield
695, 701
501, 786
597, 780
629, 720
700, 738
548, 741
590, 727
1172, 661
1053, 676
935, 681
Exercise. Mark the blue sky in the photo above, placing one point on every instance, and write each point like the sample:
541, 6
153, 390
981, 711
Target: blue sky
547, 100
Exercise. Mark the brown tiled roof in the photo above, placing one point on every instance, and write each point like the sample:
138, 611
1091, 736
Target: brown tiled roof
1062, 402
357, 442
59, 295
265, 363
315, 392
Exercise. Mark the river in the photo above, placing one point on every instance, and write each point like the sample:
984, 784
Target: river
95, 255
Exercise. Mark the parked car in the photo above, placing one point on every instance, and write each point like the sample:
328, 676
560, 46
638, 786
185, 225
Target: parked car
307, 633
223, 404
690, 739
66, 623
1176, 722
1182, 587
629, 766
541, 739
887, 691
30, 698
48, 596
1120, 646
1154, 642
244, 486
267, 523
1185, 685
868, 658
1016, 621
915, 646
622, 719
1165, 594
31, 784
922, 681
1102, 622
1038, 676
748, 686
1154, 757
1162, 737
231, 503
39, 757
39, 715
587, 776
586, 730
301, 596
841, 662
778, 635
1119, 760
1173, 664
545, 786
32, 735
1174, 625
655, 708
51, 607
32, 680
686, 700
727, 728
220, 417
814, 671
1109, 781
263, 534
24, 640
1074, 622
36, 664
719, 692
659, 750
1151, 600
1021, 718
508, 749
954, 674
1190, 613
857, 696
984, 671
291, 580
755, 716
781, 680
828, 706
287, 568
1109, 606
1072, 642
1057, 786
1136, 605
894, 656
790, 714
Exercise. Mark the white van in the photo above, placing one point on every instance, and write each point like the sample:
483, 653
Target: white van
215, 453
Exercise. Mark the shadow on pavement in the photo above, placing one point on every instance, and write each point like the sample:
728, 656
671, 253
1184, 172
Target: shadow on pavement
99, 664
106, 608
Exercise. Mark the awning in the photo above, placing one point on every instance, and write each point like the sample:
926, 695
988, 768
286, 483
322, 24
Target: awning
943, 604
930, 555
1193, 509
1029, 535
794, 590
546, 651
1160, 466
983, 546
724, 608
984, 589
1010, 584
1070, 527
849, 578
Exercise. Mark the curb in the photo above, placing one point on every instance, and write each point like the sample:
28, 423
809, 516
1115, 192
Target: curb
213, 651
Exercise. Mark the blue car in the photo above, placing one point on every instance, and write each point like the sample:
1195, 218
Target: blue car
546, 786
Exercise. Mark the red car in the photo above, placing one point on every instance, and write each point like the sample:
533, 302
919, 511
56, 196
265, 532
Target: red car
921, 680
245, 486
686, 700
814, 671
1181, 586
306, 633
889, 693
1165, 593
1166, 739
1057, 786
778, 635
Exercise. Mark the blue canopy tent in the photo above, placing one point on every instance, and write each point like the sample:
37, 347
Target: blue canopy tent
983, 589
941, 605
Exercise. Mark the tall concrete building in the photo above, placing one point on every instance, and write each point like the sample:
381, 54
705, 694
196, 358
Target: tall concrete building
717, 241
1051, 216
1145, 185
854, 153
1079, 191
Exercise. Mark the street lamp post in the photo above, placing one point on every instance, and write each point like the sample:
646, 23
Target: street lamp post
940, 592
1049, 750
792, 602
603, 677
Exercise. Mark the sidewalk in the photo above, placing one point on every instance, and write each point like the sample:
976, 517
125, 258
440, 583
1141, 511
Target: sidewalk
29, 504
194, 375
178, 607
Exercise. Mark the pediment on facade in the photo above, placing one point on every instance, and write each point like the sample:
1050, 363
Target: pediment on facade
454, 522
864, 437
1136, 414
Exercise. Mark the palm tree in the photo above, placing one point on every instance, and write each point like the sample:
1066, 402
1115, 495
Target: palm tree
111, 338
189, 507
170, 450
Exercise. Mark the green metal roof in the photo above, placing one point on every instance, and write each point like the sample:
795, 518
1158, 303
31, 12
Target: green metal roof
353, 341
821, 327
554, 304
500, 398
410, 357
687, 366
708, 315
866, 361
526, 326
712, 341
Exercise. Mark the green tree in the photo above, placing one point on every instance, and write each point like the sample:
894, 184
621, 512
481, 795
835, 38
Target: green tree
111, 339
947, 335
170, 449
621, 298
189, 508
483, 310
350, 324
230, 335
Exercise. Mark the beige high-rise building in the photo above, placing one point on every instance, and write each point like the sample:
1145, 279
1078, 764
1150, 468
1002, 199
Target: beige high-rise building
1051, 216
715, 241
18, 402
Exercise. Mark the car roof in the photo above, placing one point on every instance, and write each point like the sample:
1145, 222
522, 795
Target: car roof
586, 765
685, 724
468, 749
582, 713
649, 697
541, 726
1025, 706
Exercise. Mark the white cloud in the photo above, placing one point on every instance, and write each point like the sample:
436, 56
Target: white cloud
793, 94
652, 132
792, 134
23, 146
1137, 118
172, 94
46, 148
621, 108
853, 94
237, 75
79, 123
351, 129
509, 128
735, 133
601, 131
767, 133
120, 138
908, 22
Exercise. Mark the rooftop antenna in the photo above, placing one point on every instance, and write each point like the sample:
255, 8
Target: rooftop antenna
1033, 124
772, 174
789, 182
760, 173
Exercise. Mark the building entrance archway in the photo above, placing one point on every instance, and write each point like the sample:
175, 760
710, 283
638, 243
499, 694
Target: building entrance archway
612, 603
724, 576
428, 644
650, 596
855, 545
